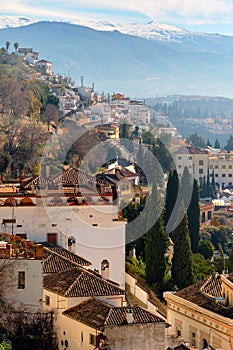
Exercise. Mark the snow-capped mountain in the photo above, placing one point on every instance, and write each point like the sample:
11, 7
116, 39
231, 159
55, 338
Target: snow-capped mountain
150, 30
14, 21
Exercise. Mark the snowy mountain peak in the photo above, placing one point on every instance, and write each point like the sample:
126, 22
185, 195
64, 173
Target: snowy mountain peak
14, 21
150, 30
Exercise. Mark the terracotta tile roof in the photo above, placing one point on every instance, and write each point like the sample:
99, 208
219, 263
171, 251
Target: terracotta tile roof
40, 181
197, 294
54, 263
213, 286
73, 176
79, 282
98, 314
190, 150
53, 254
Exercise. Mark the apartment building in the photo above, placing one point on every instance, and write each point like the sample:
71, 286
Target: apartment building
201, 162
195, 159
202, 313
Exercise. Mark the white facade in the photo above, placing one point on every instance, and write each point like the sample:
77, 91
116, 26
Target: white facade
24, 283
103, 110
97, 232
139, 114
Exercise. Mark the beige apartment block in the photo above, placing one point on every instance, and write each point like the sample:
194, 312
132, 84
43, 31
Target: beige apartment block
202, 314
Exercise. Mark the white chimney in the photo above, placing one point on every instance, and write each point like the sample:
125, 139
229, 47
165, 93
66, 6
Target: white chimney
105, 269
129, 315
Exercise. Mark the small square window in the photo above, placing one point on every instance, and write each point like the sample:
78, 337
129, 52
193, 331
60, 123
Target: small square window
216, 166
92, 339
201, 171
223, 175
47, 300
223, 166
201, 162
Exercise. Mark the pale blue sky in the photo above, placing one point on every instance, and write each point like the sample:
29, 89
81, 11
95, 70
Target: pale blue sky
196, 15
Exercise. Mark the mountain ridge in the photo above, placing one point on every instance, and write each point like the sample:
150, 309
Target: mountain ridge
130, 64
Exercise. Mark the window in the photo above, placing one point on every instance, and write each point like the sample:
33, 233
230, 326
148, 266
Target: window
201, 162
230, 167
21, 279
203, 217
230, 175
216, 166
201, 171
179, 158
92, 339
211, 166
47, 300
178, 332
223, 166
216, 175
52, 238
190, 158
209, 215
193, 340
223, 175
179, 166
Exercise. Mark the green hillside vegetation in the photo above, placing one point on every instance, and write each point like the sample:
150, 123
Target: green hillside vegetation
23, 125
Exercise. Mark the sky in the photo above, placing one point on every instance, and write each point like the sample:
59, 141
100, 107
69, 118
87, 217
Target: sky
214, 16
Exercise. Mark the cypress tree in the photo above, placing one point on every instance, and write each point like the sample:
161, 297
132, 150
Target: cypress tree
171, 196
156, 240
230, 261
156, 245
194, 218
213, 185
186, 187
182, 267
208, 143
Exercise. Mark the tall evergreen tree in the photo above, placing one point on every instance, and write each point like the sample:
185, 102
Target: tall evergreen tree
217, 144
171, 196
194, 218
208, 143
156, 242
213, 185
182, 266
156, 245
230, 261
186, 188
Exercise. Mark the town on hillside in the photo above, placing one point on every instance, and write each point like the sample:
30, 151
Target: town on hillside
116, 231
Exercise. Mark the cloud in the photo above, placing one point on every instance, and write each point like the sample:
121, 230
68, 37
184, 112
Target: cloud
168, 11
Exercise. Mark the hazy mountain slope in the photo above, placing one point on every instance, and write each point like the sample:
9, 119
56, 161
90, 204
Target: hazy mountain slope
129, 64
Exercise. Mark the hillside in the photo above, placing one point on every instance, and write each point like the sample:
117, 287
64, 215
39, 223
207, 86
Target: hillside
133, 65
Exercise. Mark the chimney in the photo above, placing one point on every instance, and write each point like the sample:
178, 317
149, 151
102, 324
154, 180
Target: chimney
82, 78
129, 315
105, 269
93, 87
39, 251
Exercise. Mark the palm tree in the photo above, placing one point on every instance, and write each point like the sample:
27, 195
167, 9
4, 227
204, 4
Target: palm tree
16, 45
7, 45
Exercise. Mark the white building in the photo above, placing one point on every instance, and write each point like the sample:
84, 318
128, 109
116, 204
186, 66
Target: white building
103, 110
